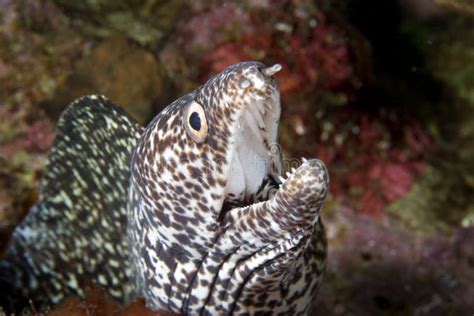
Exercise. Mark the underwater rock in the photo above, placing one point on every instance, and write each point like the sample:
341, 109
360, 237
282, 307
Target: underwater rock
145, 22
430, 206
97, 302
383, 267
444, 196
461, 6
17, 195
126, 74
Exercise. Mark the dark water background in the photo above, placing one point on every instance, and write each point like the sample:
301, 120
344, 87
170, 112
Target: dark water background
381, 91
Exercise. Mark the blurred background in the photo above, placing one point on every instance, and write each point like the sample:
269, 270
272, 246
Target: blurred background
381, 91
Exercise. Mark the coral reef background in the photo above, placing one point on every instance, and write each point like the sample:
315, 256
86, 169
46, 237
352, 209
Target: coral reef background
382, 92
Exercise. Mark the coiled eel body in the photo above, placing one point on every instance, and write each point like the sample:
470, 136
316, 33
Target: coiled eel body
190, 213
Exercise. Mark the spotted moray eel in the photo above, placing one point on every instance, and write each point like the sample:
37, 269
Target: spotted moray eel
191, 212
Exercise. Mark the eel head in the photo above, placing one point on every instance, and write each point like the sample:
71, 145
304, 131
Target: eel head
211, 224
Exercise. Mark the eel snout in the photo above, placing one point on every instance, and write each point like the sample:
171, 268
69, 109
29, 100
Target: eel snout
294, 209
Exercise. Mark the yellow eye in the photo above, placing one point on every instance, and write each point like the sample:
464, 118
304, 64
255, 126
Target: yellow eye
195, 122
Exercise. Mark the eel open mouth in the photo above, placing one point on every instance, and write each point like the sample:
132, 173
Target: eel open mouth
256, 153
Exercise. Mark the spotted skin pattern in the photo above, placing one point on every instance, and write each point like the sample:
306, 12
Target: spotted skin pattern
150, 212
77, 230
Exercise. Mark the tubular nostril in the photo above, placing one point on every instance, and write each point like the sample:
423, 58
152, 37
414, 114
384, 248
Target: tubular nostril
270, 71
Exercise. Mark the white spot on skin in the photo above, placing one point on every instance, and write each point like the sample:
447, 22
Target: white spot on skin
72, 282
102, 280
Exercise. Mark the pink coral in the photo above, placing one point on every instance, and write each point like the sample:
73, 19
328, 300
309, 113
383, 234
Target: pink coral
317, 56
375, 176
36, 137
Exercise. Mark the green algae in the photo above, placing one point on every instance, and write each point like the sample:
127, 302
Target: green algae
138, 79
147, 22
438, 201
443, 197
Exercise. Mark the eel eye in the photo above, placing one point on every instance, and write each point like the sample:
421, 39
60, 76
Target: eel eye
244, 83
195, 122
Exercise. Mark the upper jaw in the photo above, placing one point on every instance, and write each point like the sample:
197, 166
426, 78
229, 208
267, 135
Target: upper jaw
253, 157
259, 118
261, 110
254, 97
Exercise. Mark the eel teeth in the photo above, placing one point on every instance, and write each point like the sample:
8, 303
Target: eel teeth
288, 174
282, 180
261, 108
293, 170
253, 125
304, 159
257, 116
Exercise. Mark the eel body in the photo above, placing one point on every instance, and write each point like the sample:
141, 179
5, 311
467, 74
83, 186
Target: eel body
191, 213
